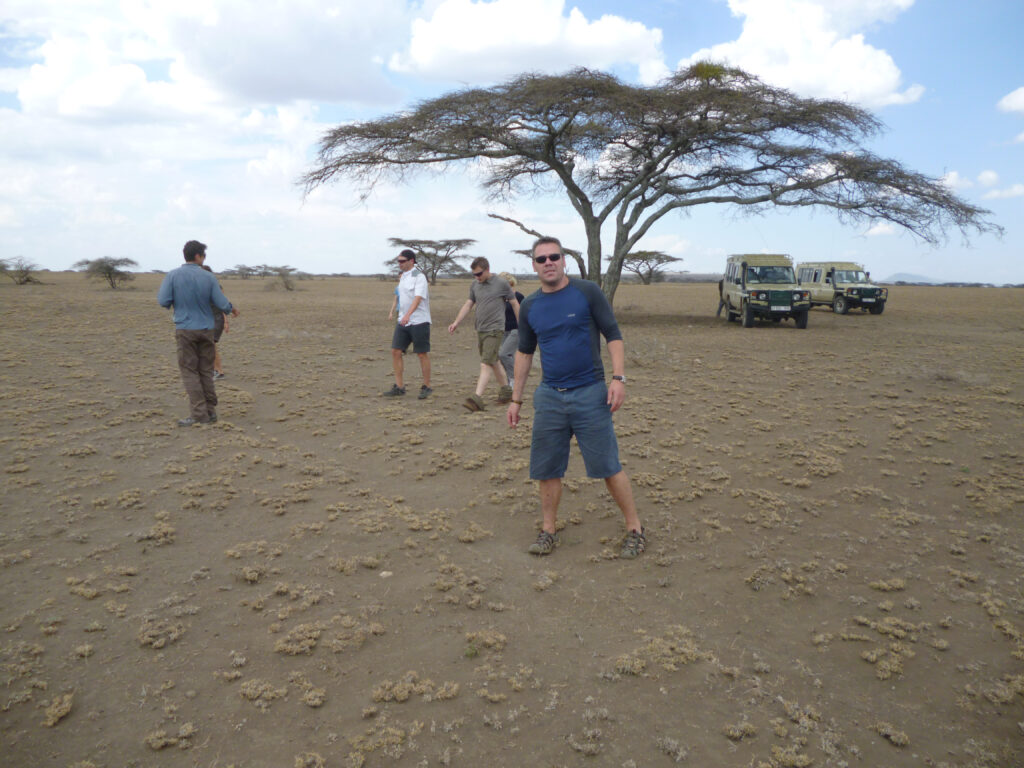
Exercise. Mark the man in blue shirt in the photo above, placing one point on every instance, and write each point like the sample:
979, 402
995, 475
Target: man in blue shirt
567, 318
191, 291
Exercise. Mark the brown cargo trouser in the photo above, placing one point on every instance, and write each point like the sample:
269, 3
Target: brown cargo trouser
196, 351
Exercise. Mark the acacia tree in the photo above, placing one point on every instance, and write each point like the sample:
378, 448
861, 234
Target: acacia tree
433, 256
649, 266
19, 269
628, 155
107, 268
572, 252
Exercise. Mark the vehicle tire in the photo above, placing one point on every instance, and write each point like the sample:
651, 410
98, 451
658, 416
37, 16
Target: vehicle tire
748, 315
800, 318
840, 305
877, 309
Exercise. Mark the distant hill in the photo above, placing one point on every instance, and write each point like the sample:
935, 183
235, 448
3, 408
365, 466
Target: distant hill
906, 277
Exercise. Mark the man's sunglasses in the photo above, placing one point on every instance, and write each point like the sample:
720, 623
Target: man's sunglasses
402, 261
477, 274
543, 259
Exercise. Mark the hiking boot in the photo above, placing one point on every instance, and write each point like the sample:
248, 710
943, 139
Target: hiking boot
474, 403
545, 544
634, 543
425, 392
191, 422
505, 394
213, 418
395, 391
218, 375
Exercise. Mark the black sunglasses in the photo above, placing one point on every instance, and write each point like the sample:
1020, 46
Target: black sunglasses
402, 261
477, 274
543, 259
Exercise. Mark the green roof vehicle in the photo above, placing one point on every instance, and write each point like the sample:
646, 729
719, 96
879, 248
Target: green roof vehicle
842, 285
762, 286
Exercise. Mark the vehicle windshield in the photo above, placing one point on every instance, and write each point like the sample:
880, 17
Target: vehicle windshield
770, 275
850, 276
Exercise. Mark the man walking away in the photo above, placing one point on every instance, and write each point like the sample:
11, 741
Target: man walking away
564, 317
413, 324
192, 292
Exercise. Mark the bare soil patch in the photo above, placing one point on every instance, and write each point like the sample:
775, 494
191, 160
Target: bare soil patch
834, 576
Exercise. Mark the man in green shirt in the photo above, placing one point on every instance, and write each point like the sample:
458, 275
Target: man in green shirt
489, 294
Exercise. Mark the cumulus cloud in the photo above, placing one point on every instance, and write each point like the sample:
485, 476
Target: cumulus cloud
303, 49
1017, 190
1012, 102
988, 178
171, 59
478, 41
817, 48
955, 181
881, 228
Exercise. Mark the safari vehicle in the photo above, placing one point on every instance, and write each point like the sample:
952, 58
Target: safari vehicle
842, 285
762, 286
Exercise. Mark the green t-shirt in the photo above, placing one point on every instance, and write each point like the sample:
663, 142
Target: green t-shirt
489, 297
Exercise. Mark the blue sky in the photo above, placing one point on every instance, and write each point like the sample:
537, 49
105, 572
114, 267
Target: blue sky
127, 128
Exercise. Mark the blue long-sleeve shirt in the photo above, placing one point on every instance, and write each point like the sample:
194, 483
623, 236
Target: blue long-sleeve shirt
191, 290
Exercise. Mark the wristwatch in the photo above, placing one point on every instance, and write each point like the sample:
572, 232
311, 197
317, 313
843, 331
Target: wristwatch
619, 378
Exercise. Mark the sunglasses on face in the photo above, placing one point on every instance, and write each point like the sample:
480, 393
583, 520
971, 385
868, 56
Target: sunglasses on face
543, 259
402, 261
477, 274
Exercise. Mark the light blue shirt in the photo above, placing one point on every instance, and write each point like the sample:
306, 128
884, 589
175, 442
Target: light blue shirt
191, 290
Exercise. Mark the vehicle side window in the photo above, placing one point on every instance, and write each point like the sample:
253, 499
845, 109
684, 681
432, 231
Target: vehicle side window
817, 276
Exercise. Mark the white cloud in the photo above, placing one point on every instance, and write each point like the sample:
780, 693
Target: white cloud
477, 41
817, 48
988, 178
954, 180
881, 228
1012, 102
169, 59
1017, 190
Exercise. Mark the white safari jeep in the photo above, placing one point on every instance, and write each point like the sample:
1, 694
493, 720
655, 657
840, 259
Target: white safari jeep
842, 285
762, 286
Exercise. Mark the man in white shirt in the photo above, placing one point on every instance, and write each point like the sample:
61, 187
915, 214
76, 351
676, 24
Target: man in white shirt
413, 324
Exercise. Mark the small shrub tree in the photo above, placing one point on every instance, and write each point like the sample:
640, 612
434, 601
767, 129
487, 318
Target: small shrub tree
20, 270
432, 256
107, 268
649, 266
286, 275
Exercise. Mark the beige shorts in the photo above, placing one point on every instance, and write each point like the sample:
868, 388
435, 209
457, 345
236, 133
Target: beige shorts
489, 342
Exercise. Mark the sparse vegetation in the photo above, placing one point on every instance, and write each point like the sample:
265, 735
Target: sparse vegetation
352, 573
20, 270
114, 271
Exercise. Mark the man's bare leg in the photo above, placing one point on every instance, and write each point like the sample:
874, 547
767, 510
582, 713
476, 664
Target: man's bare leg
399, 365
550, 496
425, 367
622, 491
485, 377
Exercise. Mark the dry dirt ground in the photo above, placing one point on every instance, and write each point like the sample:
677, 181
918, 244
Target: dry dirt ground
835, 572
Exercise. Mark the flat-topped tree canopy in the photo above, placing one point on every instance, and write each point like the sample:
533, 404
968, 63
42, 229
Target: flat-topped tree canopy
627, 155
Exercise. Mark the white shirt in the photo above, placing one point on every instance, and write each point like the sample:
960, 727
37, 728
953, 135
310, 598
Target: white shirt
410, 285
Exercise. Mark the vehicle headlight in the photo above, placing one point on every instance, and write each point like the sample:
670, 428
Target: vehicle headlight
796, 296
854, 292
